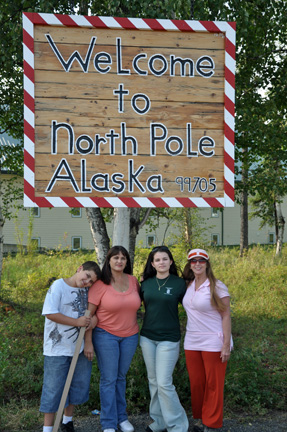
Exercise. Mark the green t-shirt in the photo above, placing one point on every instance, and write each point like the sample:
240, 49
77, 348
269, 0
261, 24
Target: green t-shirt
161, 322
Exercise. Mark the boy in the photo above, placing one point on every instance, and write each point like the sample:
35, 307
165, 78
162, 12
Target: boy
64, 308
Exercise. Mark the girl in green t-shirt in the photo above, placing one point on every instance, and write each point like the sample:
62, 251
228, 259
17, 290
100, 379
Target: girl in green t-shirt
161, 291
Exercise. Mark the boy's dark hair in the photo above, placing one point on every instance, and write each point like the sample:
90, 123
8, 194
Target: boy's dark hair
93, 266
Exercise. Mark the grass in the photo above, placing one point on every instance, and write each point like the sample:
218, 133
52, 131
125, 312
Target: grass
256, 374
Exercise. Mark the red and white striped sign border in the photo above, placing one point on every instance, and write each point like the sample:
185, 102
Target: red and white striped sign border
31, 19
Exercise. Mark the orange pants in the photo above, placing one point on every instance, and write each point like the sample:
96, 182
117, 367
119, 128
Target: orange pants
206, 376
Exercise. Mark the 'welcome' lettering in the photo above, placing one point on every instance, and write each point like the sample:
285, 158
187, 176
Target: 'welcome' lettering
75, 56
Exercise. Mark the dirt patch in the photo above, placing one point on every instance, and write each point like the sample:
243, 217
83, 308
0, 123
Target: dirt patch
273, 422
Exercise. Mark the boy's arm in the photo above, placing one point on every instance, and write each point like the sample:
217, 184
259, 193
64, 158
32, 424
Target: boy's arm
59, 318
88, 348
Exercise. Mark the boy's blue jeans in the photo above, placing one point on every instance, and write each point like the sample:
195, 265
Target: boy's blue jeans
56, 370
114, 355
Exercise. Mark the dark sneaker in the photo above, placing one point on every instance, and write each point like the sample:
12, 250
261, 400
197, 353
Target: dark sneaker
68, 427
197, 429
197, 425
148, 429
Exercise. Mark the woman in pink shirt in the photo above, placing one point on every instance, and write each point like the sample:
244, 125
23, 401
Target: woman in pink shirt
115, 299
208, 340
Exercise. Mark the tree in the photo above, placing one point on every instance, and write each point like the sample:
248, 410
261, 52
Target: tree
11, 102
99, 233
260, 91
261, 61
10, 193
11, 111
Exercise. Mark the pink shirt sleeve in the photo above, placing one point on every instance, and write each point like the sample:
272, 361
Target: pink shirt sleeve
221, 289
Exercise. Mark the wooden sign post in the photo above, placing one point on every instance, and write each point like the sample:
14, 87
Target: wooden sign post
128, 112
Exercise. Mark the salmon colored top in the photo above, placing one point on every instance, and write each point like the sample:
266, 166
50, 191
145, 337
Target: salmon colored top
116, 311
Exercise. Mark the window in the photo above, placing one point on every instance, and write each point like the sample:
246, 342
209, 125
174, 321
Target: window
214, 239
35, 211
36, 242
271, 238
150, 240
215, 212
76, 212
76, 243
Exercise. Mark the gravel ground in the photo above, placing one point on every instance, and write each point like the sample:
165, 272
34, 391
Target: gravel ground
274, 422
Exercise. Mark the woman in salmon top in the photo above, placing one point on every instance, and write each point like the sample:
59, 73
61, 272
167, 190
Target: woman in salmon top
115, 299
208, 340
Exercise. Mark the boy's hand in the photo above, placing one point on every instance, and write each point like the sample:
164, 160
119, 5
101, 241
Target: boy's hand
93, 323
83, 321
89, 350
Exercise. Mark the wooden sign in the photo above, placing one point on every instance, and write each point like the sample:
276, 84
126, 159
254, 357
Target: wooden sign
128, 112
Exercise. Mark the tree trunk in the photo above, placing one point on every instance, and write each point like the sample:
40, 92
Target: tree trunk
244, 205
136, 223
121, 230
191, 9
83, 7
276, 221
244, 223
187, 228
99, 233
281, 225
1, 244
134, 230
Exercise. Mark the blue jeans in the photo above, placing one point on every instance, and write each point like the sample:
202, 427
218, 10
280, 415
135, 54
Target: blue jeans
165, 408
114, 355
56, 369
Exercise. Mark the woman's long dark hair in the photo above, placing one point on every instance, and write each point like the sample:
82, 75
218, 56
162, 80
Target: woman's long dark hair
107, 276
150, 271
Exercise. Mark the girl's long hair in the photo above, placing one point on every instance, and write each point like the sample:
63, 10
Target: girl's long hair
188, 275
150, 271
107, 276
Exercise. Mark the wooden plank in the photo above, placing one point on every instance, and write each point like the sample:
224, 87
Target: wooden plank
209, 166
142, 136
60, 77
137, 38
173, 190
96, 114
173, 89
45, 59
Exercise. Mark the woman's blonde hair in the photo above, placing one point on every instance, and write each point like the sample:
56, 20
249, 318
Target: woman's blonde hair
188, 276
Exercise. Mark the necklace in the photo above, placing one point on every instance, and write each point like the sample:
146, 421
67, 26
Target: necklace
160, 286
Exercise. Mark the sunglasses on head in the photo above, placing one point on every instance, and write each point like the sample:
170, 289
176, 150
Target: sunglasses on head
200, 260
163, 248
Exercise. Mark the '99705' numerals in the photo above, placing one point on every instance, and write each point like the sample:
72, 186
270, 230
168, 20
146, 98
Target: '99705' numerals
194, 183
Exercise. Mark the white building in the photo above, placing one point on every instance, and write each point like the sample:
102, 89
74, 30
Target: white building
59, 228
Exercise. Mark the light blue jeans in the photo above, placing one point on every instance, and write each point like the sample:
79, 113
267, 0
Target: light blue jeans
114, 355
165, 408
56, 369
